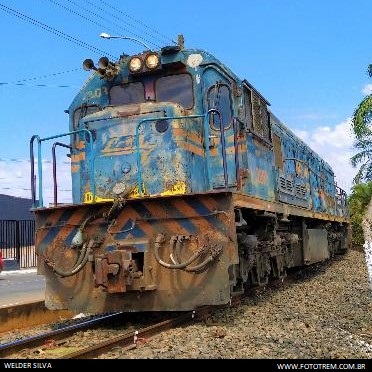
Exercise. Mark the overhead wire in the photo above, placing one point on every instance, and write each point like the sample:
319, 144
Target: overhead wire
52, 30
79, 14
28, 189
28, 161
138, 21
24, 81
39, 85
73, 39
101, 17
46, 76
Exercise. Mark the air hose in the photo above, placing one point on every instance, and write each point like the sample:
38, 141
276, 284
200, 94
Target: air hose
79, 264
175, 248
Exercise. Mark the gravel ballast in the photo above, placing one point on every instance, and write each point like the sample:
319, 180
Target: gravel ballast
325, 312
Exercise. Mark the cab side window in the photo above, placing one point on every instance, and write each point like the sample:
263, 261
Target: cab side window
257, 118
248, 120
261, 118
83, 111
219, 99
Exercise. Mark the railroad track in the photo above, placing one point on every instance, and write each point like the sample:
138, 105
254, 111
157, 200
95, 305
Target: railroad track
45, 339
52, 344
132, 339
55, 344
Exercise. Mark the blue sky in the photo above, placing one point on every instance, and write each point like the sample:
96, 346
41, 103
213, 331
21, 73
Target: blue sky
307, 57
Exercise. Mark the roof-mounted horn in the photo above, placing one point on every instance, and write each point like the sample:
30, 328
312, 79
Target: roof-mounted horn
107, 70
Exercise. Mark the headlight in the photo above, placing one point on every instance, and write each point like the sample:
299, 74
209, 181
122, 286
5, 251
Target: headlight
135, 64
152, 61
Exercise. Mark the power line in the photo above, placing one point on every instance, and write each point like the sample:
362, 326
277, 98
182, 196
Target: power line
46, 76
27, 189
22, 81
52, 30
13, 178
28, 161
100, 16
69, 38
79, 14
135, 20
39, 85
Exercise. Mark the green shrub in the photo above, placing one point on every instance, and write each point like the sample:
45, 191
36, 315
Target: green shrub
358, 203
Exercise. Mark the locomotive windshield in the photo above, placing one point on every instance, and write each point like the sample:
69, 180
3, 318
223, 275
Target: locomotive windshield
126, 94
175, 88
172, 88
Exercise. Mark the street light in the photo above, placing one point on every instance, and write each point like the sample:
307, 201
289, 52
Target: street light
104, 35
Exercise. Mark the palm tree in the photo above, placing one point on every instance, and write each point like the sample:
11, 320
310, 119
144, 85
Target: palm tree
361, 125
360, 201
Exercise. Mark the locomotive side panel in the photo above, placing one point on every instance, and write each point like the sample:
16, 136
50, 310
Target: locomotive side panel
303, 178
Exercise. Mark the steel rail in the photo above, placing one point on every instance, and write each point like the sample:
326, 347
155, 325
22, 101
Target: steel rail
132, 339
58, 334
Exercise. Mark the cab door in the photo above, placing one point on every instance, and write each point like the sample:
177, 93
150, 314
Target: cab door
218, 100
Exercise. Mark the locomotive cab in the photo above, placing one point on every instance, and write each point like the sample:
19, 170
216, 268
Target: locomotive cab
139, 131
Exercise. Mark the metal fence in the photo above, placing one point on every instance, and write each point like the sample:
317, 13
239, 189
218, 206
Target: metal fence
17, 242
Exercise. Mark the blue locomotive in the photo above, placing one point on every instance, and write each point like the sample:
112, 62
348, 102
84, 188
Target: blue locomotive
186, 190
